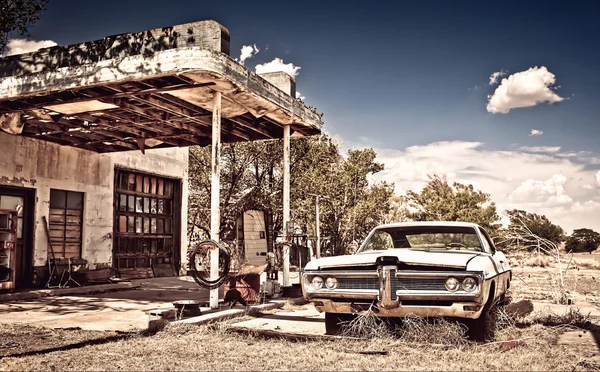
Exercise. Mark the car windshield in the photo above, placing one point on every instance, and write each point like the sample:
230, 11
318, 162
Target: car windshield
424, 238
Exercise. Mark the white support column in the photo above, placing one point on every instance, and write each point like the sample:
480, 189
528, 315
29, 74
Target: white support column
215, 188
286, 204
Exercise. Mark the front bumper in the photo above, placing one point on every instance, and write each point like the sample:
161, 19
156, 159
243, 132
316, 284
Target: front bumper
471, 310
393, 301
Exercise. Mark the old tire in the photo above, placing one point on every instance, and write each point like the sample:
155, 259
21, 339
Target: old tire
484, 328
335, 322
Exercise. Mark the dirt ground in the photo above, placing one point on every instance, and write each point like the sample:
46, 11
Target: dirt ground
552, 342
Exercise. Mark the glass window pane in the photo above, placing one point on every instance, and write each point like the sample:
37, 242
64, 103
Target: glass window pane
75, 200
153, 186
131, 182
161, 206
146, 184
153, 226
122, 202
130, 224
138, 225
139, 183
168, 188
146, 225
167, 226
161, 185
138, 205
15, 203
58, 199
153, 206
122, 223
131, 203
160, 226
146, 205
20, 228
168, 204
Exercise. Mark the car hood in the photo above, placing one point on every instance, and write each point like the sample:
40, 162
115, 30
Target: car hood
455, 259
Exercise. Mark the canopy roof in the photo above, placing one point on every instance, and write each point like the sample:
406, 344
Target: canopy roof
144, 90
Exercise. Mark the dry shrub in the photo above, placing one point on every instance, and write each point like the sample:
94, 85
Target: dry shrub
366, 325
411, 330
537, 262
437, 331
586, 263
573, 317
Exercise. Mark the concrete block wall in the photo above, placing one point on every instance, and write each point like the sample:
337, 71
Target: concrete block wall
42, 166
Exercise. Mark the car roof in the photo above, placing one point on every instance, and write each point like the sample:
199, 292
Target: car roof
429, 223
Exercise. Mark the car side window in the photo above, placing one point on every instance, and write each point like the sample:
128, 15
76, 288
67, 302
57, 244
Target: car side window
487, 242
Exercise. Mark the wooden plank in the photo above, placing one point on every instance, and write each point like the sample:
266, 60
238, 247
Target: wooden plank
136, 273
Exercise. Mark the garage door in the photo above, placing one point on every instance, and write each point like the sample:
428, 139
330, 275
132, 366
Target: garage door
146, 210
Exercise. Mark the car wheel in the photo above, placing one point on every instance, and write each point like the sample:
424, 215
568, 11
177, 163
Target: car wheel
484, 328
334, 322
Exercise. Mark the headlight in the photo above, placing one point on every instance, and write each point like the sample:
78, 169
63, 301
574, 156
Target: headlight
469, 284
452, 284
331, 283
316, 282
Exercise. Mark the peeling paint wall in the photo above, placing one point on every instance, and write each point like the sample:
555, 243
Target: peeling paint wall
41, 165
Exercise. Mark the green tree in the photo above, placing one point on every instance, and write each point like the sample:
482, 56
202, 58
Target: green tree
251, 177
17, 16
583, 240
539, 225
440, 201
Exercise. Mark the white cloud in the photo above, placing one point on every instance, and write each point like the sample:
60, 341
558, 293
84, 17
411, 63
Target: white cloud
20, 46
549, 193
248, 51
540, 148
277, 65
536, 132
497, 75
598, 178
588, 187
300, 96
523, 89
539, 182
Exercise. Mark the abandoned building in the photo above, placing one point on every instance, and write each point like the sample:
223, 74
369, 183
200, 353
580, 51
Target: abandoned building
94, 137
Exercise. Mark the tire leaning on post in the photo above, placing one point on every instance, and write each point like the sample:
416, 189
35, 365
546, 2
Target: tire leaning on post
198, 276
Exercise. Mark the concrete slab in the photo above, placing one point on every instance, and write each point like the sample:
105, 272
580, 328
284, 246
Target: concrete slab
116, 311
39, 293
307, 322
550, 308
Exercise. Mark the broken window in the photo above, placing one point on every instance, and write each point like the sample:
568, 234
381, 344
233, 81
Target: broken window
66, 218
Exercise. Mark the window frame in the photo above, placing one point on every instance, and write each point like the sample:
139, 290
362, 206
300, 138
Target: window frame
67, 213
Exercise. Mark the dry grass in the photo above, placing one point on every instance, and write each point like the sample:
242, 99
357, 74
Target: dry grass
210, 348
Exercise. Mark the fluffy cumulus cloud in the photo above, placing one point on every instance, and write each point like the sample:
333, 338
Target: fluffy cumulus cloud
277, 65
497, 75
300, 96
537, 181
248, 51
523, 89
550, 192
20, 46
535, 132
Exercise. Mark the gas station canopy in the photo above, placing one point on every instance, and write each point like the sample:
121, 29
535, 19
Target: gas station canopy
144, 90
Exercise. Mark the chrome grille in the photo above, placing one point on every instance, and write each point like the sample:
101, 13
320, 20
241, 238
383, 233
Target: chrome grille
419, 284
358, 283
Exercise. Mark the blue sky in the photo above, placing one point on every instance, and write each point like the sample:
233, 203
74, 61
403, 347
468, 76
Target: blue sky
412, 77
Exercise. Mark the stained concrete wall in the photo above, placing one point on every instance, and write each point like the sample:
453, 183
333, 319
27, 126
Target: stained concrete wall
41, 165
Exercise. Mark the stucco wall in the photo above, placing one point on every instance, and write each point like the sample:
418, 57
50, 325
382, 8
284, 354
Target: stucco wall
41, 165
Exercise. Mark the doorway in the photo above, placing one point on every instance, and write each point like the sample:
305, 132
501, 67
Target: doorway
22, 200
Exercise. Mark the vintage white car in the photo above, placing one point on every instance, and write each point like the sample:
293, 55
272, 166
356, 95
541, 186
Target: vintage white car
426, 269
